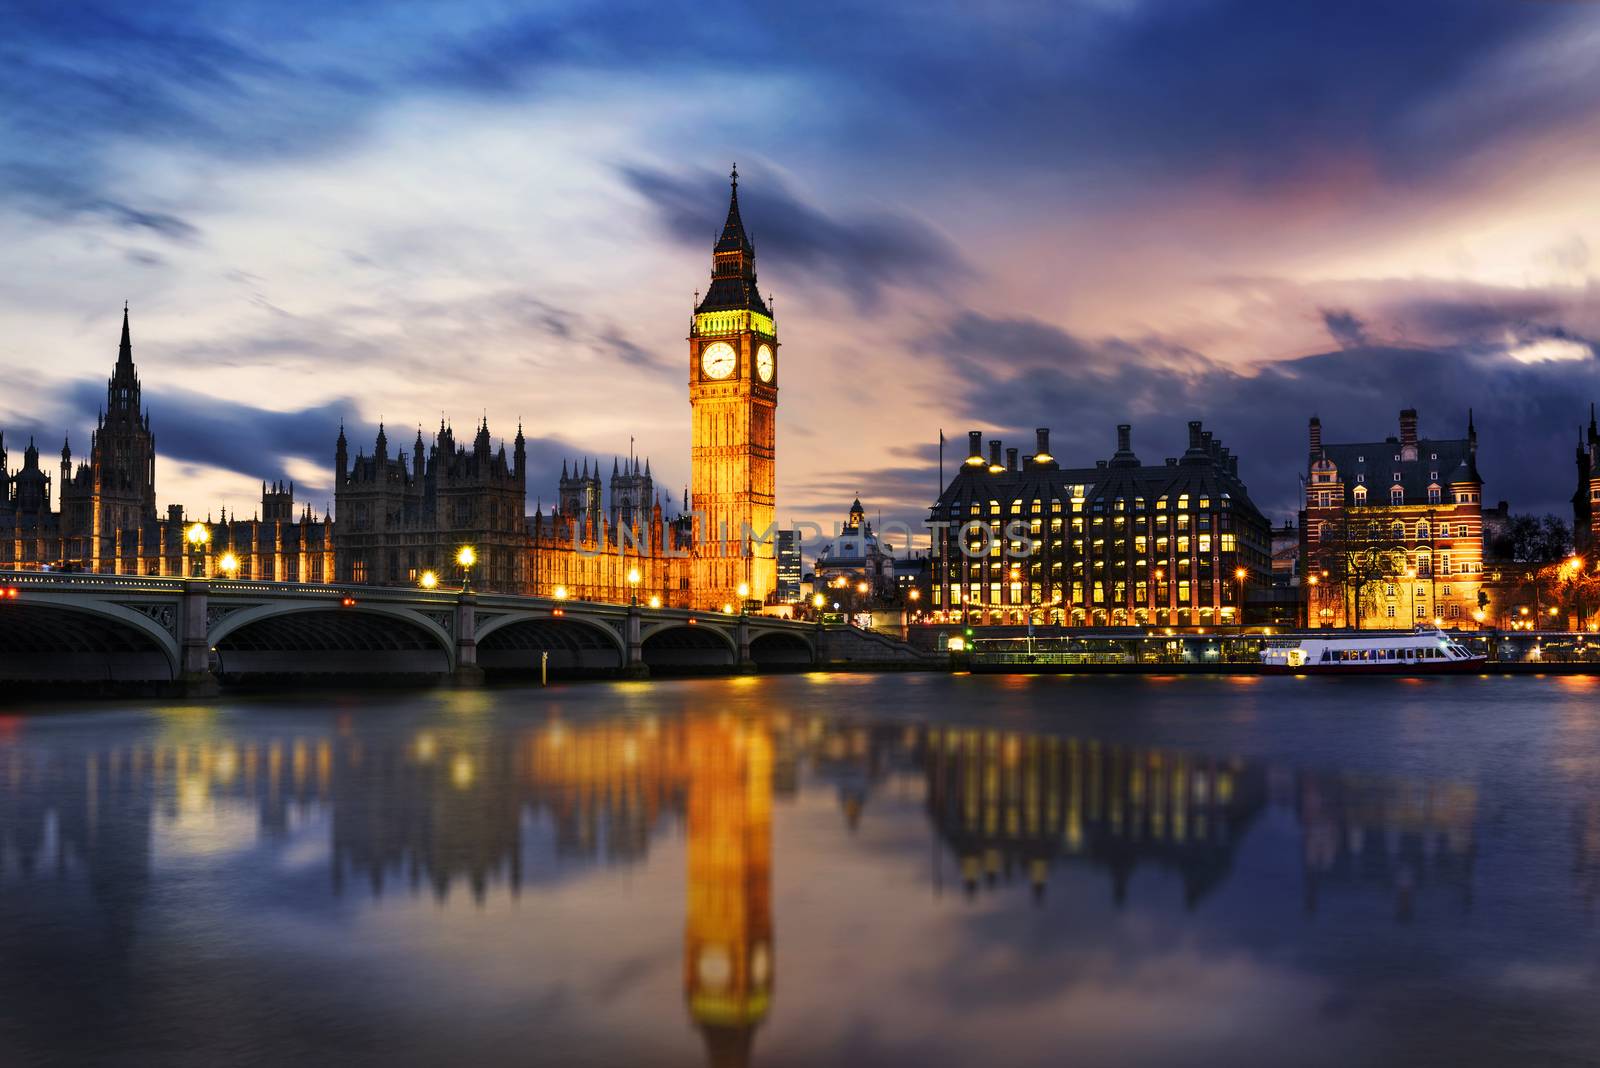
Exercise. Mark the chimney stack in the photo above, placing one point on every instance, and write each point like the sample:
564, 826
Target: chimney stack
1041, 440
975, 445
1194, 434
1011, 459
1408, 426
1124, 437
994, 453
1316, 435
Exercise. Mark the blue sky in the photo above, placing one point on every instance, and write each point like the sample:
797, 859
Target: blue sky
993, 216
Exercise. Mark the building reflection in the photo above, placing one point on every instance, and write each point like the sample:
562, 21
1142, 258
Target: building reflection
728, 962
467, 804
1403, 835
1011, 804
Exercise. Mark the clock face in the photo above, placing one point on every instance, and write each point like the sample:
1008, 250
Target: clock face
718, 359
764, 363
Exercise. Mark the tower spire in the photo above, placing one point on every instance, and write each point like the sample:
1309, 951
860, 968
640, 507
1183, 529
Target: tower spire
733, 264
125, 349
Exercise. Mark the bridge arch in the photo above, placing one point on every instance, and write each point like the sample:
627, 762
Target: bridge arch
50, 638
319, 638
688, 646
782, 649
576, 644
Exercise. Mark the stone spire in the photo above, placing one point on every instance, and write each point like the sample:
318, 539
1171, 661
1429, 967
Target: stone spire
125, 349
733, 265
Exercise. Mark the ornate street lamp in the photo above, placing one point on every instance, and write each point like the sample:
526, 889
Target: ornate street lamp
633, 586
198, 535
466, 556
428, 580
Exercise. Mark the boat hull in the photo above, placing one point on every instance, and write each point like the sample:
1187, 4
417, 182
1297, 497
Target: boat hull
1469, 666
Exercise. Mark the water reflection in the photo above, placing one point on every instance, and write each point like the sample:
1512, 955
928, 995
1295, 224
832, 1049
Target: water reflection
448, 807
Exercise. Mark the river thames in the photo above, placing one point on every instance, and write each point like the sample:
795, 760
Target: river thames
810, 869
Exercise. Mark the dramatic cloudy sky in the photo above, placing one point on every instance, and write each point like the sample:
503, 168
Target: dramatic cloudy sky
994, 216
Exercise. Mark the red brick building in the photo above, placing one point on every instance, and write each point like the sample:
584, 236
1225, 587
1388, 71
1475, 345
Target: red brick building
1392, 530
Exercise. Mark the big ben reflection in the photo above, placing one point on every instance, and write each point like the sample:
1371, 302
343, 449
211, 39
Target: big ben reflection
728, 952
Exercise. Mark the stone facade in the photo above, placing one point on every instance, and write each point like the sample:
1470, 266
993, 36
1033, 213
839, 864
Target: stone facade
107, 521
401, 516
1118, 544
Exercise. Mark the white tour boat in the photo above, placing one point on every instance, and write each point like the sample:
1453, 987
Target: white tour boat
1426, 652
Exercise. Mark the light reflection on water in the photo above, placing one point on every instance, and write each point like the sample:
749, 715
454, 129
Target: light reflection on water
808, 870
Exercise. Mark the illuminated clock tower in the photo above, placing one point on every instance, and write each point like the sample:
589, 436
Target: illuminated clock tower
733, 394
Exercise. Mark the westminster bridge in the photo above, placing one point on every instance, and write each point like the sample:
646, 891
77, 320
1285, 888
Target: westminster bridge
116, 629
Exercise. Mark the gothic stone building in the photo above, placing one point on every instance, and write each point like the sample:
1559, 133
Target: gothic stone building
403, 515
723, 549
1119, 544
1586, 499
1392, 530
107, 519
400, 517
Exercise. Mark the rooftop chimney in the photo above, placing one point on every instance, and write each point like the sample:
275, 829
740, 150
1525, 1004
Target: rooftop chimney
1124, 437
1408, 426
1041, 439
1011, 459
1194, 434
975, 445
1316, 435
994, 453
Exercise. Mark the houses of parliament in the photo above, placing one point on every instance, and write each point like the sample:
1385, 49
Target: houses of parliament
402, 513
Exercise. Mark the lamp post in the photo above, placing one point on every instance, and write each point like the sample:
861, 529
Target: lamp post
197, 536
633, 586
1411, 597
1241, 574
229, 564
744, 595
466, 556
1311, 580
428, 580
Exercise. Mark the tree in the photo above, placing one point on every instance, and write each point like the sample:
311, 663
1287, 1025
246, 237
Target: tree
1530, 539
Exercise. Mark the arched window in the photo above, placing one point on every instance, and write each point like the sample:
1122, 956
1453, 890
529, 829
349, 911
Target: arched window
1422, 530
1398, 531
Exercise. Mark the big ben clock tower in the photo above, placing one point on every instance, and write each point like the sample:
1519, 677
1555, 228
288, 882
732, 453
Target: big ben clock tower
733, 394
